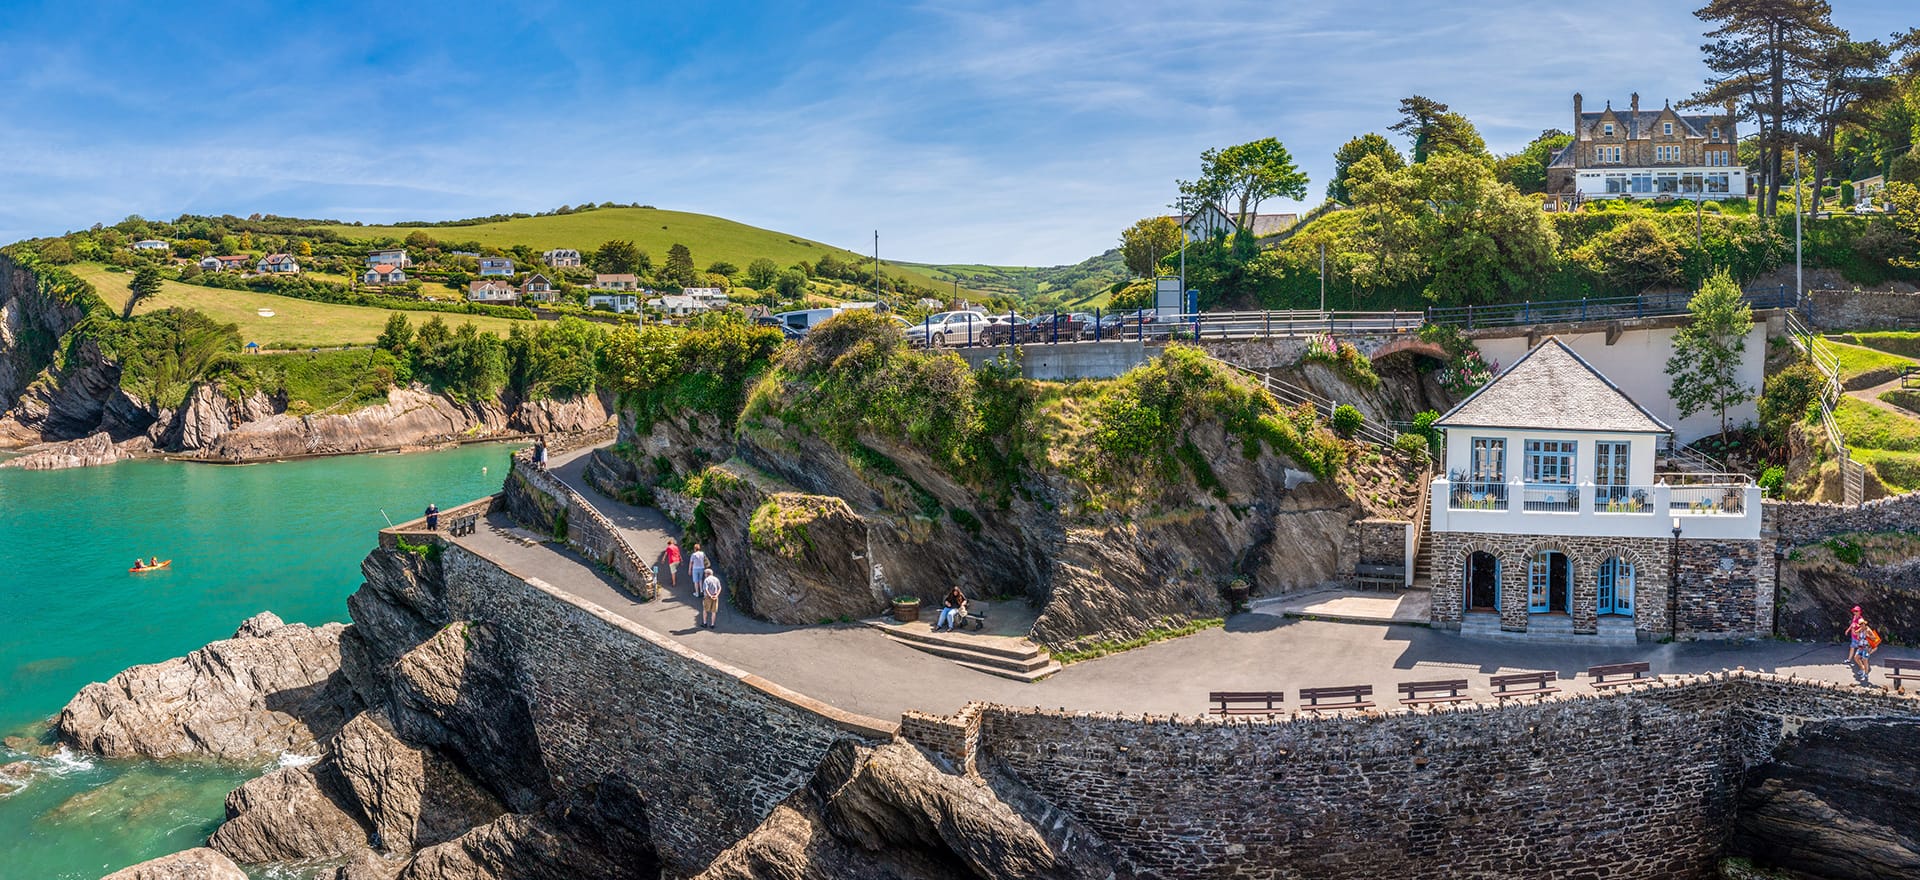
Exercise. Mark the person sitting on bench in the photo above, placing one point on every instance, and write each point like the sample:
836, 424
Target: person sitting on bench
954, 613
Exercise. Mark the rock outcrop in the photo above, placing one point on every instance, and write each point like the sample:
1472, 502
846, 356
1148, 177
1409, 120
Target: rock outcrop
212, 427
1819, 590
199, 863
1836, 803
98, 449
272, 688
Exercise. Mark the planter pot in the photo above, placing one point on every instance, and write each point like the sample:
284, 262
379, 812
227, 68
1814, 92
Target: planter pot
906, 611
1237, 596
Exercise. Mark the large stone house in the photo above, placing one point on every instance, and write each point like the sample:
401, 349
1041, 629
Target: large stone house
561, 258
1550, 520
1647, 154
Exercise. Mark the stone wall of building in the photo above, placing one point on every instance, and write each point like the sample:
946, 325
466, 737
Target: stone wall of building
1862, 309
1642, 784
1805, 522
1650, 558
1382, 541
710, 749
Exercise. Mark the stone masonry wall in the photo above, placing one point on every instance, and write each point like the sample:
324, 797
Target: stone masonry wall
1803, 522
1382, 541
535, 496
1632, 785
1650, 558
710, 749
1862, 310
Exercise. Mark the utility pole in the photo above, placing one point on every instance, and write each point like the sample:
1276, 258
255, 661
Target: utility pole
876, 265
1799, 277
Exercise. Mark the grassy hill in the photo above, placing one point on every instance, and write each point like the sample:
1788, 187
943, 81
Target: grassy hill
296, 323
1091, 276
654, 231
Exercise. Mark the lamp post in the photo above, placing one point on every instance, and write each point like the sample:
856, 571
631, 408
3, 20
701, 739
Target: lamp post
1673, 587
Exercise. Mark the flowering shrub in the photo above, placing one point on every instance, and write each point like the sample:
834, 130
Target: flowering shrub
1466, 373
1344, 358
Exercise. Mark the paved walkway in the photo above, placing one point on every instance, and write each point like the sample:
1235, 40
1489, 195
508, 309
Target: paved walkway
858, 669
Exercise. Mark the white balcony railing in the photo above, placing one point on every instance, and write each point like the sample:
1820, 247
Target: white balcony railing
1729, 510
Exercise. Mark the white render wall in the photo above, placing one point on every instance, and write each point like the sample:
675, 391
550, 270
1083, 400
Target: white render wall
1640, 452
1637, 364
1592, 182
1592, 520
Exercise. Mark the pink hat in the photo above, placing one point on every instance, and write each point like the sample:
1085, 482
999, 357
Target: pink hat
1856, 609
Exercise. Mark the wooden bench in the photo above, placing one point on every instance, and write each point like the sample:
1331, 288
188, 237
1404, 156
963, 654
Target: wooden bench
1243, 702
1391, 577
1602, 676
976, 615
1524, 684
1427, 693
1901, 671
1352, 696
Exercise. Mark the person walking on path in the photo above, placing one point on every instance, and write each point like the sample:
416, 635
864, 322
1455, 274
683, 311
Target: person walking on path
710, 600
433, 517
1862, 641
697, 566
672, 556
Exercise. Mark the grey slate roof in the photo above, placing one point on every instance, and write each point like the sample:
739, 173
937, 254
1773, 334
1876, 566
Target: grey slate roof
1644, 121
1551, 388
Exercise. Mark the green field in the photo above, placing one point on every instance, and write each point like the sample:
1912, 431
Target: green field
653, 230
1856, 361
296, 323
1905, 343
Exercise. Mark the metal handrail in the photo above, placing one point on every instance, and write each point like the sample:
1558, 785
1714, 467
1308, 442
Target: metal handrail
1289, 393
1588, 309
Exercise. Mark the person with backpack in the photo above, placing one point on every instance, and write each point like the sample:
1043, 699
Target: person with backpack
1862, 641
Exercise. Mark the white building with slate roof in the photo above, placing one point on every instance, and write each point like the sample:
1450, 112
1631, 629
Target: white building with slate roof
1551, 518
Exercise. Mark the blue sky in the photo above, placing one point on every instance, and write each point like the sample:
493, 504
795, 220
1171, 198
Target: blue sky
1011, 133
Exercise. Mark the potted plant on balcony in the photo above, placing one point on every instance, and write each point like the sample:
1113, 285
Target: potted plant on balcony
906, 609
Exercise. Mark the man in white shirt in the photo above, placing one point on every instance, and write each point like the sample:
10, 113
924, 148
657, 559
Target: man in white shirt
710, 600
697, 566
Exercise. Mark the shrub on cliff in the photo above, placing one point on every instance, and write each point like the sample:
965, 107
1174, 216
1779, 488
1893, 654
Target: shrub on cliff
162, 353
705, 367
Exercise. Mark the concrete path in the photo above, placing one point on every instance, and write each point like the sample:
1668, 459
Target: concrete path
1872, 396
1354, 606
859, 669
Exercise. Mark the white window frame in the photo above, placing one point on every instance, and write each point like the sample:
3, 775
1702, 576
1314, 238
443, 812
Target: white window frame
1607, 129
1666, 128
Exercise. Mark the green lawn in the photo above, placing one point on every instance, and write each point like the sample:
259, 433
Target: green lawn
1867, 426
709, 238
1905, 343
1856, 361
296, 323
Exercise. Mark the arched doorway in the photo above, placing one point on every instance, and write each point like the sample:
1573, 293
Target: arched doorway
1616, 586
1483, 581
1549, 582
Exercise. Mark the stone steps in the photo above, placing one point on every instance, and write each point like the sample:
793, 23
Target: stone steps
1543, 630
1004, 656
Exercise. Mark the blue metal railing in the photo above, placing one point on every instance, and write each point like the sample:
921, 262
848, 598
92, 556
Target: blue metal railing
1645, 305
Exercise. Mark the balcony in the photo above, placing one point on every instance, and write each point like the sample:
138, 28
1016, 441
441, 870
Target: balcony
1729, 509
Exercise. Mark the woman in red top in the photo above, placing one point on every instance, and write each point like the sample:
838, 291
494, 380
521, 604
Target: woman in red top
672, 555
1860, 639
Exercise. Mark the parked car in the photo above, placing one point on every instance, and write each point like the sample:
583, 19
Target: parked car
1001, 329
1062, 326
948, 328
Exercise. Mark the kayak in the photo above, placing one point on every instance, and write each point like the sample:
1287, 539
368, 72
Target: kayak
141, 568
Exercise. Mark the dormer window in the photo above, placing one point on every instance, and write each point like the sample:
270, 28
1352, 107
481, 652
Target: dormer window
1716, 132
1666, 128
1607, 129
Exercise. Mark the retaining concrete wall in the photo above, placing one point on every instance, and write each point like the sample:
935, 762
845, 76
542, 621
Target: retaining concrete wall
1060, 363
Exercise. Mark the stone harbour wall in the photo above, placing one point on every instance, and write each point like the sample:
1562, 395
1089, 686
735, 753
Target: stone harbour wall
1633, 785
1805, 522
711, 749
1862, 309
535, 496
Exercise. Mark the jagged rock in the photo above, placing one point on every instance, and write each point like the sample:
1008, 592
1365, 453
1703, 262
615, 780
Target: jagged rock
888, 812
456, 691
809, 561
533, 847
412, 798
92, 451
200, 863
1836, 803
13, 776
270, 689
284, 816
207, 415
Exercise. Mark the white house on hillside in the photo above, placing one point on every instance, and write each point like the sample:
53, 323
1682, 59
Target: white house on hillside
624, 303
494, 266
151, 244
1549, 515
279, 264
384, 274
492, 291
561, 258
396, 257
1210, 220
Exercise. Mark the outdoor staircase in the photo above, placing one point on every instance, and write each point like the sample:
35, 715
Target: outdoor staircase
1004, 656
1543, 629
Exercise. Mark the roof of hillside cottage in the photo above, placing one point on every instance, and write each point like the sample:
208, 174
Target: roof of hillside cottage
1552, 388
382, 269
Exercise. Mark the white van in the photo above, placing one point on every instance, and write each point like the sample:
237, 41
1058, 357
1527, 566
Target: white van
806, 319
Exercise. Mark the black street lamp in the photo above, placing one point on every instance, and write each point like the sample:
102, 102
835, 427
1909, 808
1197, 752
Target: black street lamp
1673, 587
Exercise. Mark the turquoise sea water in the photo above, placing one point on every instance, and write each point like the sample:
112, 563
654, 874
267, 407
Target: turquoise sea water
286, 538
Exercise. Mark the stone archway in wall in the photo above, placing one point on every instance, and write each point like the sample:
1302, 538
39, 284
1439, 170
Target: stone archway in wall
1551, 589
1411, 344
1609, 591
1457, 600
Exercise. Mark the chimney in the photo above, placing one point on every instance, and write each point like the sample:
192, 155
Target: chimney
1633, 121
1578, 131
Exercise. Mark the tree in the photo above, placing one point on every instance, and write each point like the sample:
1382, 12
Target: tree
679, 268
1146, 241
1243, 176
398, 335
1762, 52
57, 252
722, 267
1482, 240
420, 240
1849, 77
145, 283
1386, 242
761, 273
1705, 367
1418, 116
1351, 153
1633, 256
1527, 169
791, 283
620, 257
1452, 133
305, 250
